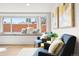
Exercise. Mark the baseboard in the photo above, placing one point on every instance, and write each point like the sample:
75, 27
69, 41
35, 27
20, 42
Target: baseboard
16, 45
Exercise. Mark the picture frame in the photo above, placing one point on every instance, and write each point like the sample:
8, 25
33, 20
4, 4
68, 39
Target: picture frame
66, 15
55, 18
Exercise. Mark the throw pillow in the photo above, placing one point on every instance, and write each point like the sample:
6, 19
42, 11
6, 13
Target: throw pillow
44, 36
55, 46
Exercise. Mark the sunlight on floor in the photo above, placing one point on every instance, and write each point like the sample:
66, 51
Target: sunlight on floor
3, 49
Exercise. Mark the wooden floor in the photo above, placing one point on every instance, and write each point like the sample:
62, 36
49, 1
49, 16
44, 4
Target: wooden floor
13, 50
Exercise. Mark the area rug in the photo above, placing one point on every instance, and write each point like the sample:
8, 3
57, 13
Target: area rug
27, 52
3, 49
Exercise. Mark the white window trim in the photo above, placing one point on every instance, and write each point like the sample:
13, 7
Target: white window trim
24, 16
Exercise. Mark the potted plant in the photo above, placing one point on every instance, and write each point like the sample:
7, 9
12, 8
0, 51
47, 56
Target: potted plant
54, 36
49, 36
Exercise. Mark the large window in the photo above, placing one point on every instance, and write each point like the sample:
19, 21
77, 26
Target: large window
16, 24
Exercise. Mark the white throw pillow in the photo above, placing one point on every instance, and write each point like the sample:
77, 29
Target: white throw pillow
44, 36
55, 46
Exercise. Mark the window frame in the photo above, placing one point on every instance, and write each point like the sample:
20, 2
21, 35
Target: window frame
47, 15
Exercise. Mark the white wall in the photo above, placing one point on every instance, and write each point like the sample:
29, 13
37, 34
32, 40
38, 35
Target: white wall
17, 39
73, 30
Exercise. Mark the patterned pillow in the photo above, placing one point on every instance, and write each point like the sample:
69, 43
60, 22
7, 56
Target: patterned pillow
55, 46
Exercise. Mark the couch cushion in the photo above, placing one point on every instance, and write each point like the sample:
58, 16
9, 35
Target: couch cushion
55, 46
66, 37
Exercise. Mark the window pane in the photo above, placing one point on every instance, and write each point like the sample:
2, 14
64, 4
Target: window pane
18, 23
18, 20
43, 24
6, 24
33, 25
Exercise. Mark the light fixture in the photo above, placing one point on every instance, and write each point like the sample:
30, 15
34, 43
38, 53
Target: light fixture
27, 4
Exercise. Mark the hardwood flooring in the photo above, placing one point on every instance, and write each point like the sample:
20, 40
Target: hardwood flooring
13, 50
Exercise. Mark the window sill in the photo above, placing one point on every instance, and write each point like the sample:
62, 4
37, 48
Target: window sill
20, 34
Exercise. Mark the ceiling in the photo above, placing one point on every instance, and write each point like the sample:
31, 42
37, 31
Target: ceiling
21, 7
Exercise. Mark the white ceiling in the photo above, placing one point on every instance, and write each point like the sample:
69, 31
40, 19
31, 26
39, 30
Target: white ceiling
21, 7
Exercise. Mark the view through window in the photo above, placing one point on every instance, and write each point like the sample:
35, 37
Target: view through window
32, 24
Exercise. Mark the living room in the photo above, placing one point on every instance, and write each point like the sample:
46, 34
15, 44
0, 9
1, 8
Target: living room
22, 23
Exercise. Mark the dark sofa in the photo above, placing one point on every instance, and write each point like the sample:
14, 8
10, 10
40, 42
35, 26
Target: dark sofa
67, 50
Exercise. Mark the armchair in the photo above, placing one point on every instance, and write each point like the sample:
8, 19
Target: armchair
37, 42
67, 50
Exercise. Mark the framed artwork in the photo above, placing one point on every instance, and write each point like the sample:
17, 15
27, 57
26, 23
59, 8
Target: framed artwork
55, 18
66, 15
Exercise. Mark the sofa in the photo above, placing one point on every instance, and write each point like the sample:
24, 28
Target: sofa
67, 49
